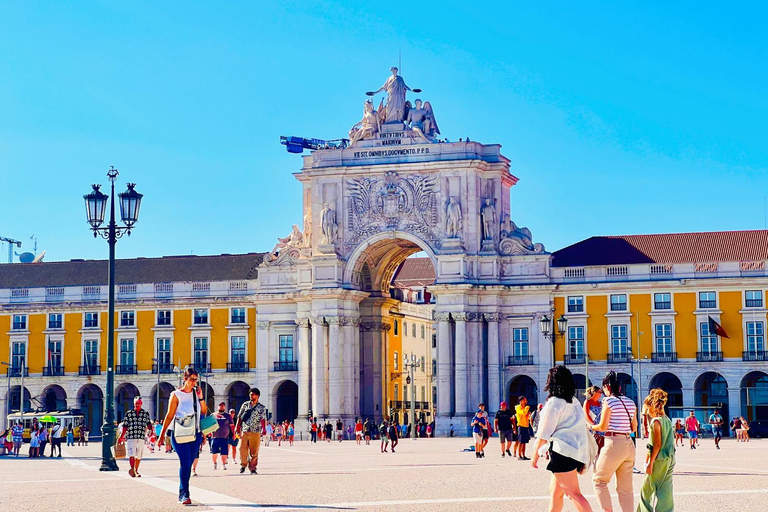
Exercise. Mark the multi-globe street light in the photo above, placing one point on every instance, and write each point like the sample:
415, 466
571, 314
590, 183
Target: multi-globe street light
546, 330
95, 208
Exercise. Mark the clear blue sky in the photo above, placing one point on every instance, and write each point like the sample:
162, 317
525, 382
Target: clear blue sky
618, 118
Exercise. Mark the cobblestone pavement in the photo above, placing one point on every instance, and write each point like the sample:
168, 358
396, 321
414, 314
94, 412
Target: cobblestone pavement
426, 474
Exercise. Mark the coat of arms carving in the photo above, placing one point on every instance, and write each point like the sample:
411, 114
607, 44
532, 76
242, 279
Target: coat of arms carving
391, 202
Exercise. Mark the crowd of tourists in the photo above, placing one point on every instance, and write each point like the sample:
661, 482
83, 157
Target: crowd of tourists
42, 435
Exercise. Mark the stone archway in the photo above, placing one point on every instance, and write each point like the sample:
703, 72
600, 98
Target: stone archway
754, 396
670, 383
710, 393
160, 402
14, 399
522, 385
286, 401
124, 395
54, 398
91, 401
237, 394
628, 386
581, 385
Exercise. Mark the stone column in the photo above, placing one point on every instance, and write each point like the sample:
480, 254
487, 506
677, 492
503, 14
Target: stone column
304, 370
350, 333
318, 368
475, 358
335, 365
461, 376
262, 360
494, 363
734, 403
444, 365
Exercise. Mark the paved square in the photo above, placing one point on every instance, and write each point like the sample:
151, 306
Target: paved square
426, 474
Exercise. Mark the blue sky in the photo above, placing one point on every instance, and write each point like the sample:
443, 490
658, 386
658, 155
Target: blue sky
618, 118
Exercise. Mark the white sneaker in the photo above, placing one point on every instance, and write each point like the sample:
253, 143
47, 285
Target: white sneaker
225, 467
214, 466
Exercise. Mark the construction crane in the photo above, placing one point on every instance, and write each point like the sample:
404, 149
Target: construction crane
299, 144
11, 242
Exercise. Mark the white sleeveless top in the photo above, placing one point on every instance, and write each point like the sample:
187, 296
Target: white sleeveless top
186, 405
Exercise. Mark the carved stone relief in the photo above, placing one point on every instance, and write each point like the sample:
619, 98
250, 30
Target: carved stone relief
391, 202
516, 241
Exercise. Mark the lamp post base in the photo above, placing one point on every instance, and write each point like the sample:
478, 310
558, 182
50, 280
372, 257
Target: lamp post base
109, 465
108, 462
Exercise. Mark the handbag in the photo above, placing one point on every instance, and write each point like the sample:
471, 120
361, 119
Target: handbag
119, 451
185, 429
209, 424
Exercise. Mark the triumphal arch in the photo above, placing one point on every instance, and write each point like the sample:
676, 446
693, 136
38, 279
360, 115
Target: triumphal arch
396, 189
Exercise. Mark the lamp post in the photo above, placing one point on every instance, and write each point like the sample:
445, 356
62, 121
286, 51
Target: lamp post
95, 207
410, 365
157, 390
7, 395
546, 330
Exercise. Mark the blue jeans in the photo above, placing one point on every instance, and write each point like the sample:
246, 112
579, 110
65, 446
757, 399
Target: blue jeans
187, 453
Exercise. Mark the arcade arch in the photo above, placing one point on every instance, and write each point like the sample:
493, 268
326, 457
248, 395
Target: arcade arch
237, 394
91, 401
54, 398
162, 400
670, 383
754, 396
522, 385
710, 392
286, 396
124, 395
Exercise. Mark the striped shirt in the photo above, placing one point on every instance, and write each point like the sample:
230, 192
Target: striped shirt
620, 420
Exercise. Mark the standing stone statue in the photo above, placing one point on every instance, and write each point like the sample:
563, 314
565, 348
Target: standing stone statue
307, 234
488, 213
328, 224
453, 218
396, 89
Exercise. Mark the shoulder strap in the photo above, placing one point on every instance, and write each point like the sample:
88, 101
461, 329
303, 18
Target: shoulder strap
629, 416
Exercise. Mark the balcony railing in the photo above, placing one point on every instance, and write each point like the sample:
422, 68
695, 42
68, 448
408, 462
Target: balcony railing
664, 357
286, 366
162, 367
53, 371
15, 371
709, 357
575, 358
619, 358
754, 303
202, 367
575, 308
707, 304
238, 367
759, 355
90, 370
519, 360
662, 305
126, 369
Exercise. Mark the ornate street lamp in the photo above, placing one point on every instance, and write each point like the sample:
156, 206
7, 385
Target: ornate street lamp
546, 330
95, 207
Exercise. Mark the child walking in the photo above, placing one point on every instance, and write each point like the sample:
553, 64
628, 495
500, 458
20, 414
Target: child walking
660, 461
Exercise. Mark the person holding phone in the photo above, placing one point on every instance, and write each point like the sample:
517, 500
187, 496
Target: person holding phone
184, 410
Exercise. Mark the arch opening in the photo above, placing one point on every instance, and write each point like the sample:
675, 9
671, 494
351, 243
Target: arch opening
522, 385
670, 383
160, 408
237, 394
54, 398
710, 393
124, 395
754, 396
287, 401
91, 400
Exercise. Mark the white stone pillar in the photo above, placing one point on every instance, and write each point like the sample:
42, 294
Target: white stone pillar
734, 402
318, 368
494, 363
462, 362
262, 360
350, 333
335, 365
475, 355
444, 365
304, 370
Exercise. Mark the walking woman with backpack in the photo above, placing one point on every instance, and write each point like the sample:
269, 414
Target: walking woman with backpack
184, 410
618, 419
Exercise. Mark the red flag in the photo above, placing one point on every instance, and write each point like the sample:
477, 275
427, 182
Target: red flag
716, 328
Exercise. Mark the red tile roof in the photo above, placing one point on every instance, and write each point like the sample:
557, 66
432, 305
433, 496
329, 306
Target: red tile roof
713, 246
415, 273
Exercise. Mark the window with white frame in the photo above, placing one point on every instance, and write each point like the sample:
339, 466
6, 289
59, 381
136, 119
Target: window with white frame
663, 334
200, 317
397, 394
54, 353
576, 304
406, 396
434, 340
413, 330
576, 340
238, 316
18, 355
520, 341
395, 327
127, 319
201, 353
662, 301
423, 332
753, 298
55, 321
708, 339
91, 353
423, 365
164, 352
286, 348
619, 339
434, 367
397, 361
405, 329
163, 317
19, 322
127, 352
423, 393
619, 302
707, 300
755, 337
91, 319
238, 350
